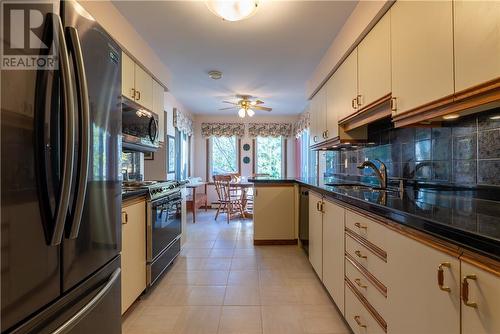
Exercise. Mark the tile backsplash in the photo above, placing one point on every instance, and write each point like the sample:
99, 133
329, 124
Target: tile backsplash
465, 151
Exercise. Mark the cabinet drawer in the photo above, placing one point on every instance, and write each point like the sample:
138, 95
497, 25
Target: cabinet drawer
358, 316
366, 228
367, 258
376, 295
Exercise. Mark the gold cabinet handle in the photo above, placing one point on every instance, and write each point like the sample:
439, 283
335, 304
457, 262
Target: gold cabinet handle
465, 290
357, 318
315, 138
354, 103
326, 134
441, 276
358, 225
317, 206
132, 92
322, 207
394, 106
358, 282
358, 253
359, 100
138, 95
124, 217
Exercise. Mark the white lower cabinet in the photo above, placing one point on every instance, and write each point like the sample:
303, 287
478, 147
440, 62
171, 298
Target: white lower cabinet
333, 251
133, 277
480, 301
358, 317
420, 299
404, 284
316, 233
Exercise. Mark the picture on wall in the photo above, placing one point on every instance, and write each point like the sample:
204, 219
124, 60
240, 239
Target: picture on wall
170, 154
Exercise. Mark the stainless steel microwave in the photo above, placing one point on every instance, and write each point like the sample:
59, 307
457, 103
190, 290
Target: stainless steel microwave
139, 128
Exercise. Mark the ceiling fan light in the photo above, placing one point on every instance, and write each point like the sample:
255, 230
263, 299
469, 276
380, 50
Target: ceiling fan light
232, 10
241, 113
250, 112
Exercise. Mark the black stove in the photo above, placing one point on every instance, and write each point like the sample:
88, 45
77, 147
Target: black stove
163, 223
156, 189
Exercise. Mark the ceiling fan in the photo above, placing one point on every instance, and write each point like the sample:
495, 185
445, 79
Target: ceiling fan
246, 105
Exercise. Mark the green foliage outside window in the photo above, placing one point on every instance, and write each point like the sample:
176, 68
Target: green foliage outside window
224, 155
269, 156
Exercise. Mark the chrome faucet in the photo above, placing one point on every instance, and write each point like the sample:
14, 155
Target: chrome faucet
381, 172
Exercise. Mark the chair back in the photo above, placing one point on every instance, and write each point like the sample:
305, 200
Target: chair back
222, 187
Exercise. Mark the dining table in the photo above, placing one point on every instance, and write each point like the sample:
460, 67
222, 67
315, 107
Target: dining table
244, 186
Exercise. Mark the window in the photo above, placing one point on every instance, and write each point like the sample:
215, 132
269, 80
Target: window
182, 154
304, 154
223, 155
269, 153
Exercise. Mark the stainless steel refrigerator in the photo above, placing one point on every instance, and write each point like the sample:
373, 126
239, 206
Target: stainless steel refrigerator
61, 182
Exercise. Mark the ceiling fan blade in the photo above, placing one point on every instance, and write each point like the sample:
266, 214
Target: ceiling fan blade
262, 108
228, 108
259, 102
230, 102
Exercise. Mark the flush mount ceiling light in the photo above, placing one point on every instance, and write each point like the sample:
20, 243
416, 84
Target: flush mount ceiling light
232, 10
216, 75
451, 116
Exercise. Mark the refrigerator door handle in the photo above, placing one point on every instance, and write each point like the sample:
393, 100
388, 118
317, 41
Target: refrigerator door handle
73, 321
84, 112
69, 134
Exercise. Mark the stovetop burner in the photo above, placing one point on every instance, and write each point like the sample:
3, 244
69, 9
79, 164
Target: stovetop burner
156, 189
138, 184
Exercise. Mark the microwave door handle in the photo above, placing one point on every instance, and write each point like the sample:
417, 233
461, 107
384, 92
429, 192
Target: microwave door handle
84, 111
69, 134
151, 123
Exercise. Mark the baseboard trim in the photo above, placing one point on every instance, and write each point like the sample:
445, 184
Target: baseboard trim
270, 242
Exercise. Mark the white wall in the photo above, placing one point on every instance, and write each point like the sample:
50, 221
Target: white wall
157, 169
200, 154
129, 39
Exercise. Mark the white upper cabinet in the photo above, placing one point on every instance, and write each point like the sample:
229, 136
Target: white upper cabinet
481, 304
158, 96
137, 84
318, 116
344, 88
477, 42
421, 52
128, 77
144, 88
374, 63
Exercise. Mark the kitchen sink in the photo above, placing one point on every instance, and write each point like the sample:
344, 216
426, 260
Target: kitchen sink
357, 186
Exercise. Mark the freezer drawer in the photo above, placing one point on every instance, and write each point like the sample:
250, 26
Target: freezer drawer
92, 307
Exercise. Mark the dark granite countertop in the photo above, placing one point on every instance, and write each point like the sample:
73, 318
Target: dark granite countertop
129, 194
464, 217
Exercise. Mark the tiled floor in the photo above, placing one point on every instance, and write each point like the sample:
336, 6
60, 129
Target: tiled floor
221, 283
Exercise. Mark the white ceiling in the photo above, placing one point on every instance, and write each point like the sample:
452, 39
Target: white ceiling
270, 55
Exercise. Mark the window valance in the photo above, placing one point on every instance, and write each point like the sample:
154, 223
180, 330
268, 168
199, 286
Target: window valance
269, 129
302, 124
222, 129
183, 123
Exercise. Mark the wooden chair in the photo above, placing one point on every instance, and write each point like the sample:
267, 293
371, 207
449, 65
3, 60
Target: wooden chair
229, 198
